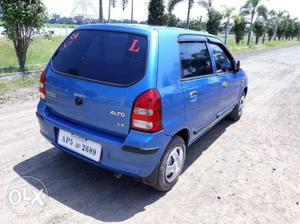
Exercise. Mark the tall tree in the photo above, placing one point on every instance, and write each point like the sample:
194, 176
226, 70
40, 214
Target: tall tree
239, 28
156, 10
131, 17
101, 12
173, 3
250, 8
228, 12
214, 21
279, 16
21, 19
207, 4
112, 4
259, 29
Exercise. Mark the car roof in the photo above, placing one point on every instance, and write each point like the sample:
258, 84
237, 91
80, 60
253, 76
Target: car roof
142, 28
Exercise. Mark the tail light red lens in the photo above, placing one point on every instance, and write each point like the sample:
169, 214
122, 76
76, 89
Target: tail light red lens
42, 86
147, 112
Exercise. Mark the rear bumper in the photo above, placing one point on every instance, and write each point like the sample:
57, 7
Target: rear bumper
137, 155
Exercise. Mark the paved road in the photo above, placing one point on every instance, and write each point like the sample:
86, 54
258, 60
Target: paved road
244, 172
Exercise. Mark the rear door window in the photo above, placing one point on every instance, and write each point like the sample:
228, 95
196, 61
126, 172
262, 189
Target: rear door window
104, 56
195, 59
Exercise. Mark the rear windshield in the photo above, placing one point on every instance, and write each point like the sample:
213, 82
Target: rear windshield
104, 56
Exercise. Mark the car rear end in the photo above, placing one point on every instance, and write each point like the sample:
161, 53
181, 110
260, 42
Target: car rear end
99, 100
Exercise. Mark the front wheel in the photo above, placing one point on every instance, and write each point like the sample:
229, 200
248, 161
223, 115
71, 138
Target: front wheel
171, 165
236, 114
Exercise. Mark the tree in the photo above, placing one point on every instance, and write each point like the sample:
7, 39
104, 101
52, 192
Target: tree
270, 32
131, 18
156, 10
250, 8
263, 15
227, 14
278, 16
101, 12
197, 24
280, 30
173, 3
171, 20
298, 30
207, 4
21, 19
213, 22
290, 28
239, 28
258, 29
113, 3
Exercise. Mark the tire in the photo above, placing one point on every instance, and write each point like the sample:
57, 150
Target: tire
237, 113
174, 159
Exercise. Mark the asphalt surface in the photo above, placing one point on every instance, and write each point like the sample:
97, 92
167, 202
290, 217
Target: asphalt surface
244, 172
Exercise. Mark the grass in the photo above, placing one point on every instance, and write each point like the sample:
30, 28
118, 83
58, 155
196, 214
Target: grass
50, 25
243, 48
39, 52
17, 83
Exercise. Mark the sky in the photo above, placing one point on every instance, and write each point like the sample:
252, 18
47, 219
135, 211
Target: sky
64, 7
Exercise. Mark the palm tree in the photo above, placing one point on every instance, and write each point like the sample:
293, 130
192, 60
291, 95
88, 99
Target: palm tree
100, 11
207, 4
204, 3
228, 12
250, 8
279, 16
131, 19
112, 3
171, 6
263, 14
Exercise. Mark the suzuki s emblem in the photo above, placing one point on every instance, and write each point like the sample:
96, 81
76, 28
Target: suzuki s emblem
117, 113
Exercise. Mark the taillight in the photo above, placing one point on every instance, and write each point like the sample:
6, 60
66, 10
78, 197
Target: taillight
146, 114
42, 86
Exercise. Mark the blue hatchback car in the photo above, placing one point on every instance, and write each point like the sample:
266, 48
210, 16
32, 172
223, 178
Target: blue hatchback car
132, 98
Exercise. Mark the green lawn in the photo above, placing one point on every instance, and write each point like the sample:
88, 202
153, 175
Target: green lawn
17, 83
49, 25
242, 48
39, 52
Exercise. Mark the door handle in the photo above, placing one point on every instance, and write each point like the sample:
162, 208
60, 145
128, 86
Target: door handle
225, 84
193, 93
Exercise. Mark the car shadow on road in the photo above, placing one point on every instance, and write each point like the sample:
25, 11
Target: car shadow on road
95, 192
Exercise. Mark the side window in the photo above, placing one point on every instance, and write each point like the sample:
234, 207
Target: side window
195, 60
222, 59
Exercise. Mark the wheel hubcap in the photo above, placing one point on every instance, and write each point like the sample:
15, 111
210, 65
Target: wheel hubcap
241, 105
174, 164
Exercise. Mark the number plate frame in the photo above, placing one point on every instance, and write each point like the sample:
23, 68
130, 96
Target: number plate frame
87, 148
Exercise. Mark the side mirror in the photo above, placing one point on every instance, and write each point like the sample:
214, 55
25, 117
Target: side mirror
237, 66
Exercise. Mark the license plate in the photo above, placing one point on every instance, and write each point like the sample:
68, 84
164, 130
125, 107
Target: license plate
80, 145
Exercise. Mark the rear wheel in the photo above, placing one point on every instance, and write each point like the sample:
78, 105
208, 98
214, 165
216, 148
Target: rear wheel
236, 114
171, 164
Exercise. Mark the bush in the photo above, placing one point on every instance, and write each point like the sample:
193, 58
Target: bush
239, 29
213, 22
156, 10
171, 20
258, 29
197, 24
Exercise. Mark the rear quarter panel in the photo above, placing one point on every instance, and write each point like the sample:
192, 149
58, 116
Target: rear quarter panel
168, 83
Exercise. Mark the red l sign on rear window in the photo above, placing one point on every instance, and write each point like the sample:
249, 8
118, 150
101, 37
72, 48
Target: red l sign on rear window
133, 46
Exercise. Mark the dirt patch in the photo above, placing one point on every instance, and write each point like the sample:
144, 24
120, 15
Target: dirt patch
21, 95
